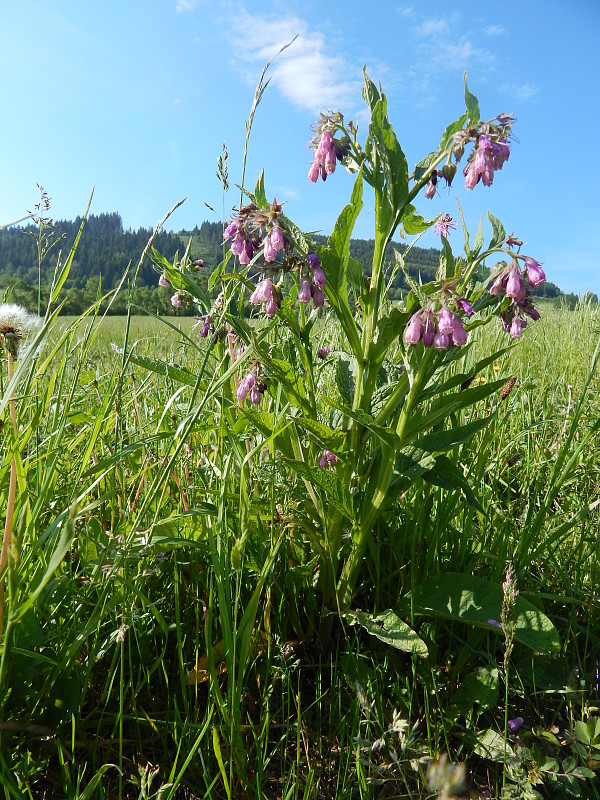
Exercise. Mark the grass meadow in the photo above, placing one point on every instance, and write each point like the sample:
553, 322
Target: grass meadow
146, 656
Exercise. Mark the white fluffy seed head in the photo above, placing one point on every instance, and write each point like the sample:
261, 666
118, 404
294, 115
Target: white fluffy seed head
15, 324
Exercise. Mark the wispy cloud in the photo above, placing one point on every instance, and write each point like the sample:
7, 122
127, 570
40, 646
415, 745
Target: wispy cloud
524, 91
185, 5
494, 30
310, 74
432, 27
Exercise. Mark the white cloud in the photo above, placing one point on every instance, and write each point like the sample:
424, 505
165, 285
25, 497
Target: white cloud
432, 27
308, 73
524, 91
185, 5
494, 30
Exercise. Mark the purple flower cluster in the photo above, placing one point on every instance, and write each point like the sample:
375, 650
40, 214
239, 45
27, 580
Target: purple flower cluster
323, 352
268, 295
312, 282
324, 162
487, 157
328, 459
328, 149
252, 388
511, 280
441, 329
253, 228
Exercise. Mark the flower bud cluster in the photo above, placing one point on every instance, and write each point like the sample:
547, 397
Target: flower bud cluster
312, 282
323, 352
328, 149
441, 328
207, 325
491, 149
268, 295
327, 460
254, 228
251, 387
513, 282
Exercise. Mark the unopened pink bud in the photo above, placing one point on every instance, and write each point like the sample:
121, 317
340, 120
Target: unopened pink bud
318, 296
304, 294
412, 333
445, 322
318, 277
441, 341
535, 273
459, 334
515, 287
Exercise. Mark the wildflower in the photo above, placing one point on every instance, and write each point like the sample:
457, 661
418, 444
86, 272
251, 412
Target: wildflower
444, 224
431, 186
535, 273
304, 295
414, 329
317, 296
273, 243
459, 334
441, 341
445, 321
328, 150
163, 280
495, 623
512, 241
262, 293
323, 352
272, 304
176, 300
515, 724
486, 158
204, 330
246, 385
328, 459
319, 279
465, 306
313, 260
15, 324
515, 287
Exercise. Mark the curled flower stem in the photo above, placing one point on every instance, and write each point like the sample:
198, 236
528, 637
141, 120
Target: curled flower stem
12, 493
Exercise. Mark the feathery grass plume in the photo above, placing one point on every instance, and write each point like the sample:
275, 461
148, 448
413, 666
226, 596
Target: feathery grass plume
15, 324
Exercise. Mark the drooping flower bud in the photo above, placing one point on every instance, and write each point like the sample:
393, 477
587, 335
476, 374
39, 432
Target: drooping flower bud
323, 352
304, 294
176, 301
318, 296
535, 273
163, 280
445, 322
441, 341
414, 329
459, 334
262, 293
466, 307
515, 286
318, 277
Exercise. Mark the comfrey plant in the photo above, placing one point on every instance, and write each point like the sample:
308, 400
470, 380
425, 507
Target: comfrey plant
394, 415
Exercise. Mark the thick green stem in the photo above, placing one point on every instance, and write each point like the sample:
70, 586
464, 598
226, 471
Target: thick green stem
388, 456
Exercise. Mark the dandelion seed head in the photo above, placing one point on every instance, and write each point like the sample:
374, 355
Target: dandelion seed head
15, 324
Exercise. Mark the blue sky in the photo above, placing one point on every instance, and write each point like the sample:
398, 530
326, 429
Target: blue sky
136, 97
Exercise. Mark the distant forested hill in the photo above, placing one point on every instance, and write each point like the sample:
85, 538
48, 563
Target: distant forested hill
105, 250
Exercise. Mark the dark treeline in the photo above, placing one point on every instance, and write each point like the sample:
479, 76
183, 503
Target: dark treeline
105, 250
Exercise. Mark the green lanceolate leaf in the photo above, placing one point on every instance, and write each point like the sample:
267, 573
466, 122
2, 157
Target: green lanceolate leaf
411, 463
446, 268
259, 191
176, 373
448, 404
264, 422
447, 475
334, 259
389, 628
441, 441
336, 492
388, 330
291, 382
499, 234
453, 128
472, 104
345, 379
390, 156
474, 600
370, 93
331, 439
